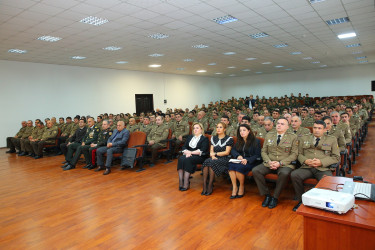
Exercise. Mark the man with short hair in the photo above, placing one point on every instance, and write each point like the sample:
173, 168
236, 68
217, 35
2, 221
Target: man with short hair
35, 136
296, 127
246, 120
180, 129
318, 116
338, 124
353, 120
288, 117
307, 121
157, 134
132, 126
48, 137
99, 121
115, 144
201, 118
145, 127
317, 152
10, 140
334, 132
19, 141
280, 148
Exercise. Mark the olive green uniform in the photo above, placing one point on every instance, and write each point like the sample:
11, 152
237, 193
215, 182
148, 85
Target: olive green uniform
36, 135
307, 122
157, 134
181, 128
48, 137
132, 128
301, 131
145, 128
25, 135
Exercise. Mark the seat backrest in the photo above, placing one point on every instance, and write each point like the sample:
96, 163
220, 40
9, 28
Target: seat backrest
137, 138
311, 129
261, 141
234, 140
190, 129
169, 143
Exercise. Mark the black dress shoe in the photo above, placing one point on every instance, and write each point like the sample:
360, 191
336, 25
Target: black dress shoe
31, 155
65, 165
21, 153
233, 197
87, 166
38, 157
91, 167
297, 206
99, 169
179, 188
208, 193
107, 171
63, 162
69, 167
59, 153
273, 203
203, 192
187, 188
240, 195
266, 201
10, 151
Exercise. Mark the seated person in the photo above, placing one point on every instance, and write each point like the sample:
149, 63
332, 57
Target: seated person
48, 137
296, 127
115, 144
35, 136
194, 150
30, 130
221, 144
145, 126
157, 134
334, 132
280, 148
229, 130
317, 152
132, 126
76, 148
180, 129
12, 142
247, 149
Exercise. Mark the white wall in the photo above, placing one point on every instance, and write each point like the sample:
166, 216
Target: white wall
351, 80
33, 90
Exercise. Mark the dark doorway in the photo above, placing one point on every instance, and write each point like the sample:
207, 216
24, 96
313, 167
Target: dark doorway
144, 103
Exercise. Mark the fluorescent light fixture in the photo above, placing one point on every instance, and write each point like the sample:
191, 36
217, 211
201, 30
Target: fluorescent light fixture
156, 55
78, 57
316, 62
218, 73
121, 62
296, 53
289, 69
232, 75
279, 66
49, 38
360, 57
180, 68
353, 45
231, 67
250, 59
338, 21
211, 64
307, 58
202, 71
281, 45
323, 66
246, 70
259, 35
229, 53
225, 19
154, 65
357, 52
200, 46
188, 60
17, 51
259, 72
266, 63
112, 48
158, 36
316, 1
347, 35
363, 61
93, 20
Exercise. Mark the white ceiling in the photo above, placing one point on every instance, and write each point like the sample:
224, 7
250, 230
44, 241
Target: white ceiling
188, 22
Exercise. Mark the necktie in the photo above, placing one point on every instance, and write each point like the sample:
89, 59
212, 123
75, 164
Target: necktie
317, 142
327, 132
278, 139
295, 131
114, 137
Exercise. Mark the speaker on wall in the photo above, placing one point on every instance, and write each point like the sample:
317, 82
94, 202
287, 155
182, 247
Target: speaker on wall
372, 85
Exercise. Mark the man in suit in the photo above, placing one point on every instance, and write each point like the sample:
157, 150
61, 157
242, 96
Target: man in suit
317, 151
250, 102
280, 148
115, 144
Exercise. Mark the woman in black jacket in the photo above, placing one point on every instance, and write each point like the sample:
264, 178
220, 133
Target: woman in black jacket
245, 151
194, 152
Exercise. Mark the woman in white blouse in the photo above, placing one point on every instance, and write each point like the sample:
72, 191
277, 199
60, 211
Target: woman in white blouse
194, 151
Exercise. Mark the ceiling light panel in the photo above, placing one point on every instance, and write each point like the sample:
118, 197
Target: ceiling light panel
347, 35
250, 59
112, 48
316, 1
259, 35
78, 57
353, 45
225, 19
361, 57
188, 60
49, 38
156, 55
97, 21
121, 62
200, 46
158, 36
17, 51
281, 45
296, 53
363, 62
338, 21
229, 53
154, 65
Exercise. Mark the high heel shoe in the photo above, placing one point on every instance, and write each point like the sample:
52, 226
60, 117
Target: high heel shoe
240, 195
179, 188
185, 189
208, 193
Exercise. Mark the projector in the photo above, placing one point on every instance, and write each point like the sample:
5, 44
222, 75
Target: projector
333, 201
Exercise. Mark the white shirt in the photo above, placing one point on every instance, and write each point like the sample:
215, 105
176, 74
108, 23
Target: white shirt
193, 143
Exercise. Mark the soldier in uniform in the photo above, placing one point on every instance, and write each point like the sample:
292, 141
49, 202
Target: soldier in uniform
280, 148
99, 121
307, 121
61, 124
353, 121
48, 137
337, 124
317, 152
91, 136
334, 132
154, 138
202, 119
179, 131
74, 142
35, 136
26, 141
214, 121
168, 123
74, 126
112, 125
296, 127
90, 152
145, 127
28, 131
132, 126
10, 140
229, 130
191, 117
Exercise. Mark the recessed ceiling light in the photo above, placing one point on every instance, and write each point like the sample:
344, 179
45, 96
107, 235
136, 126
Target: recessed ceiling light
17, 51
279, 66
112, 48
246, 70
158, 36
97, 21
323, 66
307, 58
296, 53
250, 58
156, 55
154, 65
49, 38
225, 19
188, 60
316, 1
266, 63
338, 21
121, 62
78, 57
363, 61
347, 35
202, 71
353, 45
232, 75
259, 35
180, 68
231, 67
281, 45
361, 57
288, 69
357, 52
229, 53
200, 46
211, 64
218, 73
315, 62
259, 72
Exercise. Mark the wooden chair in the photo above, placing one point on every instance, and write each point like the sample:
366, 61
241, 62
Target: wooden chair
54, 145
167, 150
138, 138
311, 129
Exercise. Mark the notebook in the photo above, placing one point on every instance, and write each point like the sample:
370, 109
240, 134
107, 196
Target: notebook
360, 190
